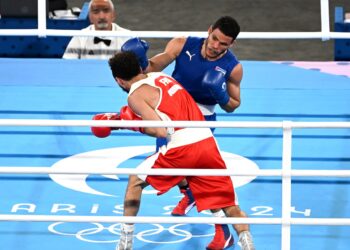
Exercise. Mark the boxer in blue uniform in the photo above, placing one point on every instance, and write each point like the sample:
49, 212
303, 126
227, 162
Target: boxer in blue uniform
212, 74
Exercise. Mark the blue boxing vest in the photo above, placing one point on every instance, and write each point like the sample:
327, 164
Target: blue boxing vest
190, 68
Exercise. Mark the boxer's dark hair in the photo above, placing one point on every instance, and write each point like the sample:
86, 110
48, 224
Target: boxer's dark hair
227, 25
124, 65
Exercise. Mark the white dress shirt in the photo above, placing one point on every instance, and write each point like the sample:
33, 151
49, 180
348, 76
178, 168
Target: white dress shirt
81, 47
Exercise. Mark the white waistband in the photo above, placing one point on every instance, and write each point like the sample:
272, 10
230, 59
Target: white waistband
187, 136
206, 109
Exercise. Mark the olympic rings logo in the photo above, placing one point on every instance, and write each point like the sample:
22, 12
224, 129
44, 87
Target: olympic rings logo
95, 232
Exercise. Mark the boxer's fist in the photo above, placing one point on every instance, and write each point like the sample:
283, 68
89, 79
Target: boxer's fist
103, 132
127, 114
139, 47
215, 82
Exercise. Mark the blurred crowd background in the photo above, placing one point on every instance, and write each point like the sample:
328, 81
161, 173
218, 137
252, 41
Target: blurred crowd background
253, 16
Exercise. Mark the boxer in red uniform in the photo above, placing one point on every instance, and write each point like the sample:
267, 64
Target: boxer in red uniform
156, 96
210, 71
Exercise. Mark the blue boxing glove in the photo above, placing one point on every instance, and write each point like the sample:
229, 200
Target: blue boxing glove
215, 82
139, 47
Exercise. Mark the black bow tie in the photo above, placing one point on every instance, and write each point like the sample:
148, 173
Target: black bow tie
105, 41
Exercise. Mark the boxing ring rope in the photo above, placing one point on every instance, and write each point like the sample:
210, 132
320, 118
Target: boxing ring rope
286, 173
174, 220
42, 31
186, 172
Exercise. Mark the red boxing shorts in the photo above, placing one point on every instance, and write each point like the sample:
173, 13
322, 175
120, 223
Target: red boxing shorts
210, 192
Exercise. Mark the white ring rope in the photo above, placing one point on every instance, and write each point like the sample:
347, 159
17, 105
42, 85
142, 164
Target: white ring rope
286, 158
170, 34
188, 124
176, 172
176, 220
42, 30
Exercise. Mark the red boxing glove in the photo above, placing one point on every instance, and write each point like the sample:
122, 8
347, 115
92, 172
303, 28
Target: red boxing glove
103, 132
127, 114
